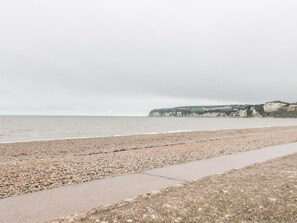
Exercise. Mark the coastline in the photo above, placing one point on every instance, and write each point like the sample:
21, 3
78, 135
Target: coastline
139, 134
24, 129
33, 166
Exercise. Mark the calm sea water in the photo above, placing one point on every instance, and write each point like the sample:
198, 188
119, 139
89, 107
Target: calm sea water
27, 128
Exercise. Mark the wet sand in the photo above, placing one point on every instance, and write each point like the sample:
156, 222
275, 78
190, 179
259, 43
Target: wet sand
34, 166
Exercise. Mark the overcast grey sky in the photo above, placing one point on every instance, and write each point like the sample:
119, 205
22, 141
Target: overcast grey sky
125, 57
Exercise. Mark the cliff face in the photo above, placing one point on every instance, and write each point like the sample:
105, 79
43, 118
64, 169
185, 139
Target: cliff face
269, 109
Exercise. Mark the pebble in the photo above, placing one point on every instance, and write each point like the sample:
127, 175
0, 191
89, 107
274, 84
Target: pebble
48, 165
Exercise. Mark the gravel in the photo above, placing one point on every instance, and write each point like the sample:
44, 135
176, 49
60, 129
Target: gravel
33, 166
265, 192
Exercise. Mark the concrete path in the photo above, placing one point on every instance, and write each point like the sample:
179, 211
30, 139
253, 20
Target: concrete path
56, 203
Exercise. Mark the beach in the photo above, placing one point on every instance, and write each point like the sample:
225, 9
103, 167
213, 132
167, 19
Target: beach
148, 111
27, 167
264, 192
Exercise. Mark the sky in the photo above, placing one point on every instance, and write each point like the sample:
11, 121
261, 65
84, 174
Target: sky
115, 57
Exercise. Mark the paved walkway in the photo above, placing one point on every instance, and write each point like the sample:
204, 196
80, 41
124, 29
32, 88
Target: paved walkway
56, 203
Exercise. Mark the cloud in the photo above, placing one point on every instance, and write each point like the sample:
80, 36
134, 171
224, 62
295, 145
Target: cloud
126, 57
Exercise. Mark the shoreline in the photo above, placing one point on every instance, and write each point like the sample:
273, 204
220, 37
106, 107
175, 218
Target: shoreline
139, 134
35, 166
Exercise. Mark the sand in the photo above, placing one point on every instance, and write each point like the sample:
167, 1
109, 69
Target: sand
33, 166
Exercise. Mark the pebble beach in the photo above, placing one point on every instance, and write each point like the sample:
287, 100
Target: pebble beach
34, 166
264, 192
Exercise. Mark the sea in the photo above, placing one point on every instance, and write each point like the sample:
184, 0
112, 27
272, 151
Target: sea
33, 128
